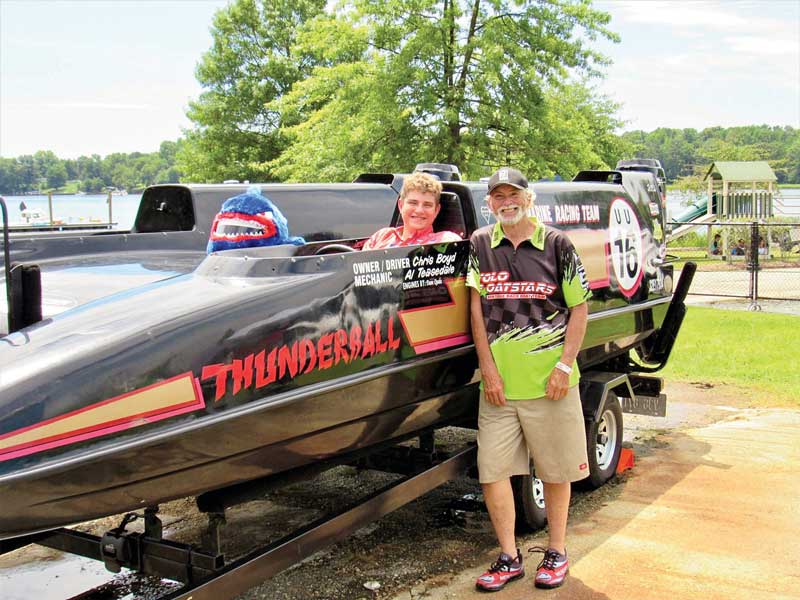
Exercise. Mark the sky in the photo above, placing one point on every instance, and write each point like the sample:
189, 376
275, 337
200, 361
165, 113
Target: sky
82, 77
698, 64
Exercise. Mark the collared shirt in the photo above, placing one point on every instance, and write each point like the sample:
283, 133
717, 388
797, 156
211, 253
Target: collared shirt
526, 293
392, 237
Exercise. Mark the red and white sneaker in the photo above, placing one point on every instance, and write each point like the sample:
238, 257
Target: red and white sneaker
506, 568
552, 570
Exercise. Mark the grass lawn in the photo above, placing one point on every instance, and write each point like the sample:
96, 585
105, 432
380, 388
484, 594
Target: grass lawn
71, 187
759, 352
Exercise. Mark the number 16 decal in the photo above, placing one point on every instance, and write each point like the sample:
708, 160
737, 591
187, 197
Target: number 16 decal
625, 237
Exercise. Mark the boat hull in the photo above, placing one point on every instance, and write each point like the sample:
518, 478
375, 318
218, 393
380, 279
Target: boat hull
259, 362
274, 436
255, 364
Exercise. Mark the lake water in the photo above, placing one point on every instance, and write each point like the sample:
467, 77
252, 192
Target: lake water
94, 208
72, 209
789, 203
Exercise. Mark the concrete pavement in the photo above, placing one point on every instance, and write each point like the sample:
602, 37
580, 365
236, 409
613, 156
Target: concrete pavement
713, 514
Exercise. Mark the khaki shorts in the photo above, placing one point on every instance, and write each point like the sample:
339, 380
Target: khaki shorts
553, 431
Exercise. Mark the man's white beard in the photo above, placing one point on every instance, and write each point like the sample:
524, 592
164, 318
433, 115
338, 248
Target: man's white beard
511, 220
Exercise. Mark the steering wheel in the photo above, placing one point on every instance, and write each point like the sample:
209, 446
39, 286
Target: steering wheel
333, 249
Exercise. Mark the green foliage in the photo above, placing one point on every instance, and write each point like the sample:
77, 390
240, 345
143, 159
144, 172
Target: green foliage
475, 83
693, 239
71, 187
44, 170
740, 348
252, 61
92, 185
308, 91
56, 174
686, 154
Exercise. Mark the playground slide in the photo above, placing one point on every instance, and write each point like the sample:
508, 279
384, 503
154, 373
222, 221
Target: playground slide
692, 212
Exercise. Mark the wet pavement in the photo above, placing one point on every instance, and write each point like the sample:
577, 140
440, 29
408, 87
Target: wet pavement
712, 514
53, 579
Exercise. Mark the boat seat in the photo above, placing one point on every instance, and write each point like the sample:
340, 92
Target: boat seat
165, 209
451, 216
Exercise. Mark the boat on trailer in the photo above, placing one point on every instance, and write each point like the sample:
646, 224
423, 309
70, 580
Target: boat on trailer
263, 362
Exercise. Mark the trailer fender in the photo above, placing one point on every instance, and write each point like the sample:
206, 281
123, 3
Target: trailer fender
594, 390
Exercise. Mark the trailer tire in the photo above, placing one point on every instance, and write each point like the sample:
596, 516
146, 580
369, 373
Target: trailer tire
529, 501
604, 443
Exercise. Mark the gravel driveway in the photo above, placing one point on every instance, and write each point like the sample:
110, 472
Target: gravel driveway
429, 548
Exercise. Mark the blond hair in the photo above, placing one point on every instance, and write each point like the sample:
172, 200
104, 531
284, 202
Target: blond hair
421, 182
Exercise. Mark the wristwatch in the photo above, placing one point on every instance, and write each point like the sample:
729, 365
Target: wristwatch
562, 367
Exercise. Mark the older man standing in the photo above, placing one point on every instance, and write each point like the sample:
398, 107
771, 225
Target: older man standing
529, 313
419, 205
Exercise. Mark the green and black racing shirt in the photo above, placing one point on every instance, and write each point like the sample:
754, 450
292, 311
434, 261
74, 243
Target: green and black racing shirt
526, 294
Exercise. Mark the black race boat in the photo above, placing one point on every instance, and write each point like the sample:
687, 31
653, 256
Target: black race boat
246, 364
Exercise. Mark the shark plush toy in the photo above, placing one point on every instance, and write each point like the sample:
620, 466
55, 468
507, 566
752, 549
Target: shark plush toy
249, 220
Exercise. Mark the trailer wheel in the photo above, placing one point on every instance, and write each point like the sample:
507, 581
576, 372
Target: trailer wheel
603, 443
529, 501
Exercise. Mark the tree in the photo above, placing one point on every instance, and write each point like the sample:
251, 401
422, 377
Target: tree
56, 175
251, 62
168, 175
43, 162
89, 167
134, 170
790, 167
168, 150
28, 173
470, 82
93, 184
10, 176
686, 152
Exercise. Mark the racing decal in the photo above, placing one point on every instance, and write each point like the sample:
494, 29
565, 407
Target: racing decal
487, 215
287, 361
374, 272
566, 214
497, 285
625, 240
417, 271
440, 326
175, 396
593, 248
555, 214
429, 269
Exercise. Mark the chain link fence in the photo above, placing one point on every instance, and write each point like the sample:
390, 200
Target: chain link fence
743, 260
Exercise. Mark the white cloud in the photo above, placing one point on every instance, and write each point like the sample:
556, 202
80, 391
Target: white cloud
763, 47
699, 64
98, 106
681, 15
699, 19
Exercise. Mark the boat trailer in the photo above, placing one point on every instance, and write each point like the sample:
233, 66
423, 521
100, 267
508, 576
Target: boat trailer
204, 573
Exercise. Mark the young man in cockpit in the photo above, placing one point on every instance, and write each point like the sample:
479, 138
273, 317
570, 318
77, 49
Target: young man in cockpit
419, 205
